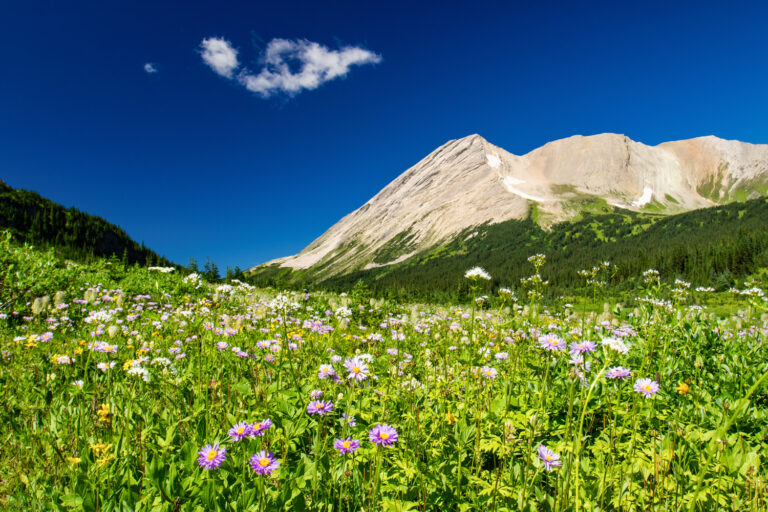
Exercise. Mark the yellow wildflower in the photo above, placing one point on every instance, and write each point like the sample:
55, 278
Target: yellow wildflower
103, 414
682, 388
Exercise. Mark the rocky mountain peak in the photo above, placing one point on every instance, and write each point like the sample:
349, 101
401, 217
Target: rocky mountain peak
469, 182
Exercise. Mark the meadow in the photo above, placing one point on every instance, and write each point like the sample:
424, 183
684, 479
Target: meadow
129, 388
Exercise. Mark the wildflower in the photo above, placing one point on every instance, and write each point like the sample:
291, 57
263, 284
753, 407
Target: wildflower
222, 345
315, 394
103, 414
264, 463
383, 435
240, 431
78, 383
261, 426
349, 420
105, 366
550, 459
325, 371
618, 372
357, 369
647, 387
211, 456
585, 347
488, 372
319, 407
682, 388
347, 445
501, 356
476, 273
615, 344
552, 343
61, 359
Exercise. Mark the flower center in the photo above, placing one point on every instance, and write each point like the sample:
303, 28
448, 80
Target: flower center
263, 462
356, 369
346, 444
646, 387
240, 430
211, 454
384, 436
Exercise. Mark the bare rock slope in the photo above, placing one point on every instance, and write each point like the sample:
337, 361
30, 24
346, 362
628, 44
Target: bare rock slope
469, 182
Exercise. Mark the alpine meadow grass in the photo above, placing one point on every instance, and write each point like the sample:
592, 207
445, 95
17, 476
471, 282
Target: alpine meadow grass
128, 388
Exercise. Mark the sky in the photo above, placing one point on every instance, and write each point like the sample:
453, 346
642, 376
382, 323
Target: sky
241, 131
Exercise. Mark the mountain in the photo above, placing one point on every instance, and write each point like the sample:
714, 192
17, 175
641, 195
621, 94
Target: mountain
74, 234
469, 183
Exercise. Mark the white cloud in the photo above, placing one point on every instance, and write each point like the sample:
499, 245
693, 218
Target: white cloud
291, 66
220, 56
150, 68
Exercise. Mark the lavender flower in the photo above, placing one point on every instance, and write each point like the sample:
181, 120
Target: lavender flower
550, 459
357, 369
552, 343
325, 371
618, 372
319, 407
647, 387
383, 435
261, 426
211, 456
347, 445
585, 347
488, 372
264, 463
240, 431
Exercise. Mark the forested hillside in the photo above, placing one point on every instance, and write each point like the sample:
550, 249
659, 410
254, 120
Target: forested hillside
74, 234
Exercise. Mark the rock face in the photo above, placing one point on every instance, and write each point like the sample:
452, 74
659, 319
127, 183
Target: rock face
469, 182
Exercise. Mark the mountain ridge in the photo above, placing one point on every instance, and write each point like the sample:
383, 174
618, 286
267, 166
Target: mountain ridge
470, 182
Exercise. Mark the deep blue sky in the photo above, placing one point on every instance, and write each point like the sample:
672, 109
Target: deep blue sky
195, 165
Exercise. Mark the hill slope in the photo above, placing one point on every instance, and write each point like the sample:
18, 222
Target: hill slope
74, 234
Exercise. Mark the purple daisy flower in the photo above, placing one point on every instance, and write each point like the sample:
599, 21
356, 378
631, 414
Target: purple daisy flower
647, 387
240, 431
319, 407
584, 347
488, 372
347, 445
211, 456
383, 435
325, 371
315, 394
552, 343
618, 372
264, 463
260, 426
349, 420
550, 459
357, 369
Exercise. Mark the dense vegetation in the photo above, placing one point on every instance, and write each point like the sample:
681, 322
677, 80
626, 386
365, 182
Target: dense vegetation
709, 247
74, 234
125, 388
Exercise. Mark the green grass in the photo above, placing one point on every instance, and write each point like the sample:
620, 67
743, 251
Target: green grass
471, 391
